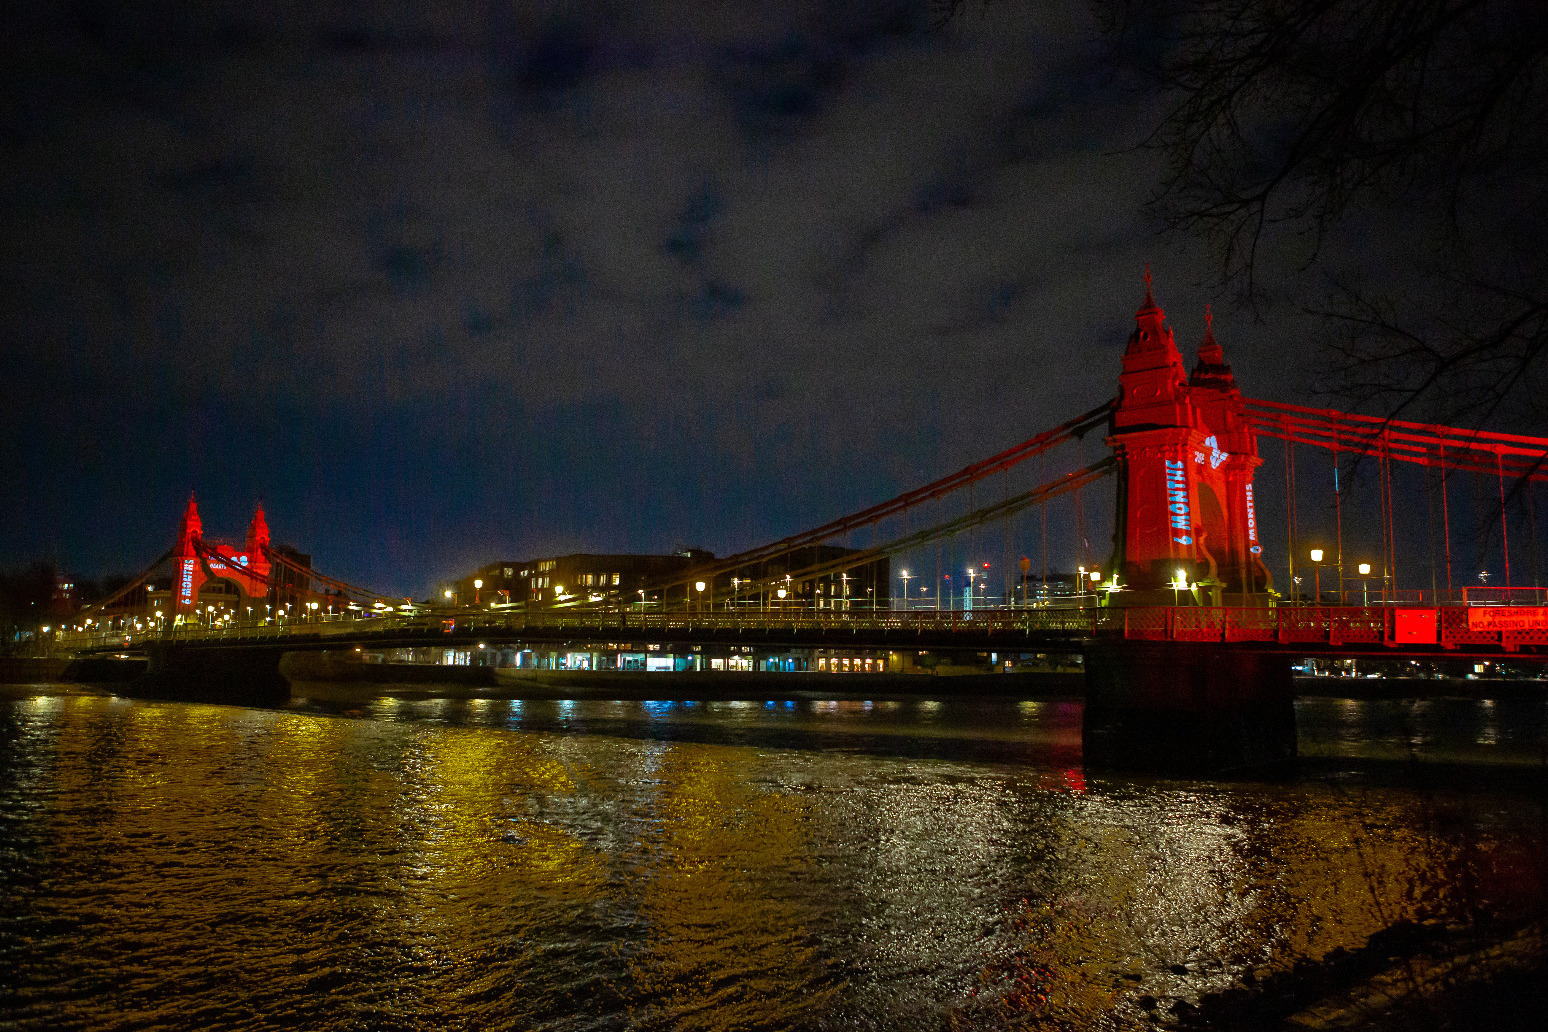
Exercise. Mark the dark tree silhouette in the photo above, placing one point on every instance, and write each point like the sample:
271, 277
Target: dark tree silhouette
1399, 147
1396, 150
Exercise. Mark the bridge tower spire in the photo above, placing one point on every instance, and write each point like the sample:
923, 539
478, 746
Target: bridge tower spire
190, 570
1185, 455
255, 559
1218, 404
257, 534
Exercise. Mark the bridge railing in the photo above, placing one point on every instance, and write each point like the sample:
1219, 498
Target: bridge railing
1375, 595
1507, 627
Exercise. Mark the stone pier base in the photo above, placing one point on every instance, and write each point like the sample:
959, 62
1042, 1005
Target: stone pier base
235, 676
1187, 708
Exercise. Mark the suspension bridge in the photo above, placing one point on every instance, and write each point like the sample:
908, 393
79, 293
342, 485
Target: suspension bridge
1184, 628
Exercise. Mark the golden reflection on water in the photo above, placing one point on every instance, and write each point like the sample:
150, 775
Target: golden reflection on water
378, 872
1179, 896
723, 948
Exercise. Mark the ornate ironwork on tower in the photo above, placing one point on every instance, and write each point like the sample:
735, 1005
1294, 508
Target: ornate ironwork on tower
1186, 518
198, 560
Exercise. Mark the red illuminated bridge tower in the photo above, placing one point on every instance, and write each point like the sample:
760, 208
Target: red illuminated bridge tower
198, 560
1186, 527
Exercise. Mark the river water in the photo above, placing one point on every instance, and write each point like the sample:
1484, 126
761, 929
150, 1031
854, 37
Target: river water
912, 864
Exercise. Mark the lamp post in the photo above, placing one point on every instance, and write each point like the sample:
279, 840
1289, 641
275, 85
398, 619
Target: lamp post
478, 585
905, 590
1365, 591
1316, 558
699, 587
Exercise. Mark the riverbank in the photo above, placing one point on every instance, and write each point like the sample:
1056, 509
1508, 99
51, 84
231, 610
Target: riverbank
323, 676
1408, 975
69, 670
364, 682
1418, 687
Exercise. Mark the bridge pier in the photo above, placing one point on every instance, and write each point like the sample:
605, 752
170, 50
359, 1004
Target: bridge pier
191, 673
1187, 708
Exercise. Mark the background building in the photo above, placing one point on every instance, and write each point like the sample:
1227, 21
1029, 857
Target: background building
787, 581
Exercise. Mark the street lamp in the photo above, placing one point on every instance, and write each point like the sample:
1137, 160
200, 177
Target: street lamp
1178, 583
1365, 591
1316, 558
905, 576
478, 585
699, 587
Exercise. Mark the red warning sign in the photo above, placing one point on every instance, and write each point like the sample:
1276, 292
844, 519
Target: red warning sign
1414, 627
1507, 618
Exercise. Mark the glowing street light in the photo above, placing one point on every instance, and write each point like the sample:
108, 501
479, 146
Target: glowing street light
478, 586
905, 576
1365, 591
1316, 558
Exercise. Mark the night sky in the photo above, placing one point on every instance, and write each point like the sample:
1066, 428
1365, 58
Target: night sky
459, 283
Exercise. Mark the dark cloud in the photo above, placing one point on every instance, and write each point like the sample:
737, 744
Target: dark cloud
449, 283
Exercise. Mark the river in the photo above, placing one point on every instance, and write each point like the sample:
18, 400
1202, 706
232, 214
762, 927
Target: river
813, 863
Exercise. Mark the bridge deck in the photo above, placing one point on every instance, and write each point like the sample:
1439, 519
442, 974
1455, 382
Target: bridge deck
1322, 630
